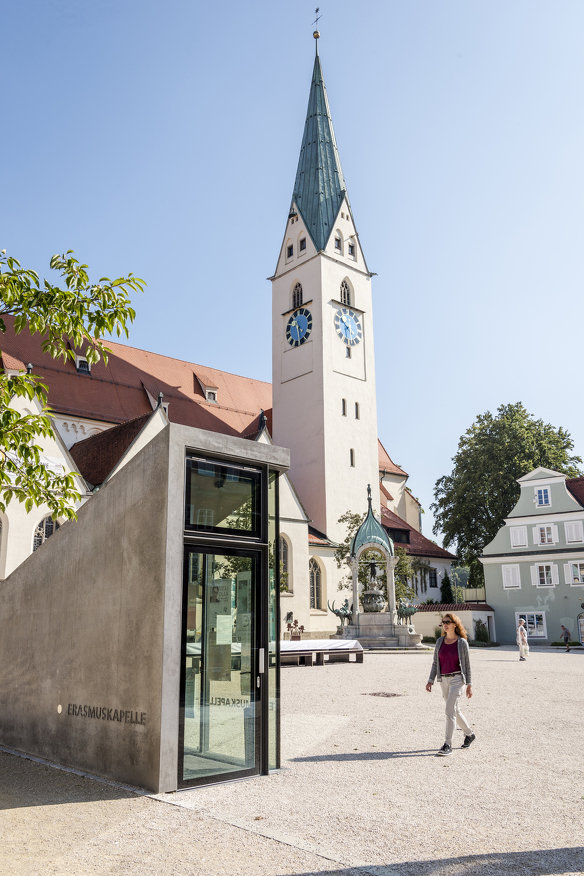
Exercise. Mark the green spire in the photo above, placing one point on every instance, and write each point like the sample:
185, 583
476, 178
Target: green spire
319, 188
371, 532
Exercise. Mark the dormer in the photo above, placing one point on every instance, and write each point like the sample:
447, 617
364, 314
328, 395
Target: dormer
82, 365
209, 387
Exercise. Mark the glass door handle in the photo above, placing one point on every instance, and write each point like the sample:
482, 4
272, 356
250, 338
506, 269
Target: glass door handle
261, 661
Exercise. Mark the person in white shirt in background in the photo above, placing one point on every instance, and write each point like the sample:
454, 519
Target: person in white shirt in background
522, 640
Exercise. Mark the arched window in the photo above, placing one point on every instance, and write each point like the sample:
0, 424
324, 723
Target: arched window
43, 531
285, 578
345, 293
315, 576
297, 295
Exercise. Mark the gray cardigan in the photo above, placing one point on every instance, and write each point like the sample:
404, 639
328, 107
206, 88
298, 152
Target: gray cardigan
463, 656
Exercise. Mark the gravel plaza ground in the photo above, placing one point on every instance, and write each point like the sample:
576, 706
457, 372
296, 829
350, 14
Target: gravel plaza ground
361, 790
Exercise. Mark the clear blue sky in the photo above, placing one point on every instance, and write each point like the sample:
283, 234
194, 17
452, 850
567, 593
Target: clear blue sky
163, 138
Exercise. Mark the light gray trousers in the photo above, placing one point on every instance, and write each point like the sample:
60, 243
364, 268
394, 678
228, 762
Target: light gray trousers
452, 689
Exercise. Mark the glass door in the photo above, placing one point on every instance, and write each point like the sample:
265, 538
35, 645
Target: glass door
220, 717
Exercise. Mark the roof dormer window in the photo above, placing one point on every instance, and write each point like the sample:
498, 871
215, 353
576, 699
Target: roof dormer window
211, 395
83, 366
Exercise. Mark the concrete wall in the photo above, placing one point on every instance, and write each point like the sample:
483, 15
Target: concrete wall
82, 629
425, 622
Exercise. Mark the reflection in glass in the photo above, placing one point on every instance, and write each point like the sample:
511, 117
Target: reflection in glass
219, 692
222, 498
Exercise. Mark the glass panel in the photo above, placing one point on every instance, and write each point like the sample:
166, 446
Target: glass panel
222, 498
274, 626
219, 730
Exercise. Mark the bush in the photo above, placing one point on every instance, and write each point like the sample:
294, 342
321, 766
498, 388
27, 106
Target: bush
446, 595
571, 644
429, 640
437, 633
481, 631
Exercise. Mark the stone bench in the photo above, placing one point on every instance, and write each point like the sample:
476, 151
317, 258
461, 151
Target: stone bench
309, 652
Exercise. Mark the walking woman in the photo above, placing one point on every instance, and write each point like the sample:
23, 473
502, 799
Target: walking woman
451, 667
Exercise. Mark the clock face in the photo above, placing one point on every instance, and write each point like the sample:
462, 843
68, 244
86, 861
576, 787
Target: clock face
348, 326
299, 327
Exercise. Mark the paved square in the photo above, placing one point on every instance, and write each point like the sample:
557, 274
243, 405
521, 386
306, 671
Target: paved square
361, 791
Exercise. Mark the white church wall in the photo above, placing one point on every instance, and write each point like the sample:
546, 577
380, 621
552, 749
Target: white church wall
74, 429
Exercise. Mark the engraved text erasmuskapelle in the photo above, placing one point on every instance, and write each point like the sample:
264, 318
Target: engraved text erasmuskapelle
102, 713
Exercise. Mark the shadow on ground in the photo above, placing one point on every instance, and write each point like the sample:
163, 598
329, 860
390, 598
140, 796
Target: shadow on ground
548, 862
26, 782
364, 755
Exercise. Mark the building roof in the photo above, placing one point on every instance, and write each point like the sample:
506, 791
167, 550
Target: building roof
119, 392
419, 545
97, 456
576, 488
315, 537
11, 363
385, 493
456, 606
319, 188
385, 462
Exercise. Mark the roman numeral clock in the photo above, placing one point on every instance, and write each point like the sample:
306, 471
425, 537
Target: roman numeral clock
299, 327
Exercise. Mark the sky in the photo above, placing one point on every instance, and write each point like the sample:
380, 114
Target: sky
163, 138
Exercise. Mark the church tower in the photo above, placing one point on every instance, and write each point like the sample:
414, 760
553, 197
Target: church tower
324, 400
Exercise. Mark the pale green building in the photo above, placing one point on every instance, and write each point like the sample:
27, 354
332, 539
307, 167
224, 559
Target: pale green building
534, 567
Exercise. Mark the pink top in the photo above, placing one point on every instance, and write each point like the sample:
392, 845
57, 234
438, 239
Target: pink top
449, 661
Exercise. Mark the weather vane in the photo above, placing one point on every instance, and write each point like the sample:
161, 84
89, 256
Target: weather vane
316, 20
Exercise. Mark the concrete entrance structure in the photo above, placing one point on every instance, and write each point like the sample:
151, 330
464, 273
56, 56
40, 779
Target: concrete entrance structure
93, 622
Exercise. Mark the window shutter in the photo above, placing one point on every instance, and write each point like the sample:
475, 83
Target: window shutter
567, 573
555, 535
570, 533
536, 534
577, 530
506, 576
555, 576
534, 575
515, 576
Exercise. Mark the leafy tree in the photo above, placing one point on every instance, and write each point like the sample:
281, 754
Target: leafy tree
472, 502
78, 312
446, 594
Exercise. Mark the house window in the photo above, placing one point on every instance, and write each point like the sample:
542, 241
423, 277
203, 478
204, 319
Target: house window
432, 578
357, 416
352, 250
285, 580
345, 293
205, 517
573, 531
289, 250
544, 575
337, 244
511, 578
542, 496
43, 531
303, 244
352, 457
574, 574
518, 536
534, 622
344, 407
315, 576
546, 535
297, 295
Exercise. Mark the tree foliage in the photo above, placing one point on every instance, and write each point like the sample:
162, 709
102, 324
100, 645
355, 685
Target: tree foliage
472, 502
75, 314
446, 594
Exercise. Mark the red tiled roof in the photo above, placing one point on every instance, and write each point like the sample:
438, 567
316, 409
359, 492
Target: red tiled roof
385, 462
97, 456
419, 545
116, 393
10, 363
456, 606
316, 537
576, 487
385, 493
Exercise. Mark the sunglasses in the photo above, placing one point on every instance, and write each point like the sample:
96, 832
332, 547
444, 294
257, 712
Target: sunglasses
445, 623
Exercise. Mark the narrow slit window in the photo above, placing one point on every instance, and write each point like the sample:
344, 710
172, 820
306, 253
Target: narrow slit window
352, 457
348, 352
357, 412
344, 407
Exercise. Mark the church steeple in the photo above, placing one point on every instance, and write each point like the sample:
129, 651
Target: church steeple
319, 189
